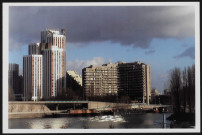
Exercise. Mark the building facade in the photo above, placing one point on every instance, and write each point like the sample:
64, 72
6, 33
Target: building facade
100, 80
53, 49
32, 76
44, 69
135, 81
13, 78
121, 79
34, 48
75, 76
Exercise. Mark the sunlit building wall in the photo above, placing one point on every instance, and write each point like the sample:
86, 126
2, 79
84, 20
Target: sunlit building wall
32, 76
100, 80
53, 48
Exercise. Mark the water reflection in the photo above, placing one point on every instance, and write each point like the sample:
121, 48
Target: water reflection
107, 118
95, 122
36, 124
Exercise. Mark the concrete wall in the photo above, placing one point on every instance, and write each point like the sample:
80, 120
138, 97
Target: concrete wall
13, 107
100, 105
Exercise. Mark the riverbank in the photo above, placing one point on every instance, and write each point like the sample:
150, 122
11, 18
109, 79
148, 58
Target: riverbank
182, 120
12, 115
28, 109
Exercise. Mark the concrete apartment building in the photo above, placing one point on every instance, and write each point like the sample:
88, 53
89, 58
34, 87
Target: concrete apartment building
100, 80
75, 76
135, 81
130, 79
48, 61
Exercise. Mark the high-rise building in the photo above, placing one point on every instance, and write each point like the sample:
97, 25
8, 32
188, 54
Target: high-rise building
53, 48
13, 77
135, 81
34, 48
122, 79
44, 69
32, 75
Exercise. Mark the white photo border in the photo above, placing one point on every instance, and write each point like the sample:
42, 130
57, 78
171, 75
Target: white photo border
5, 49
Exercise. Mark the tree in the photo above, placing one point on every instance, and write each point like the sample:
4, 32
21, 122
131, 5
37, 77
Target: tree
182, 86
175, 86
191, 88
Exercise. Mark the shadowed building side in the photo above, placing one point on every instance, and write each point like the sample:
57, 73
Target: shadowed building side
135, 81
13, 77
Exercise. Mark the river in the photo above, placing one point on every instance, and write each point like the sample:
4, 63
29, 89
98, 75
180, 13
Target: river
137, 120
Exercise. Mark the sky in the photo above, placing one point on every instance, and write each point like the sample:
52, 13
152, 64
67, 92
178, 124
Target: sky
160, 36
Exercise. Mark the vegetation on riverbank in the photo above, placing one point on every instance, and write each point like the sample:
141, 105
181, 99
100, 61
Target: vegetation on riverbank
182, 87
182, 120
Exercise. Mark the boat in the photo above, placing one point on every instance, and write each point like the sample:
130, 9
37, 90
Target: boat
83, 112
156, 110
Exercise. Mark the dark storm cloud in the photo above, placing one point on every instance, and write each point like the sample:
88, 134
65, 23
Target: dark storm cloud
135, 26
189, 52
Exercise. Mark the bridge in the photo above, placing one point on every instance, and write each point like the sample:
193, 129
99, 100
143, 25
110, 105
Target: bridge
20, 109
88, 105
48, 102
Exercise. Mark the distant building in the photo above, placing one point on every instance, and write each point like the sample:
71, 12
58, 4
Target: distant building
32, 75
167, 92
13, 78
19, 96
155, 92
75, 76
130, 79
100, 80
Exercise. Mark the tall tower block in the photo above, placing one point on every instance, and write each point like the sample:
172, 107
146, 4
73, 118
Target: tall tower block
53, 48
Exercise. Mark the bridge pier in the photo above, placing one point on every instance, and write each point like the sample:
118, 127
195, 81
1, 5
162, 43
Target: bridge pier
57, 107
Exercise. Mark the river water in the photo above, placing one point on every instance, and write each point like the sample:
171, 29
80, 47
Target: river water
137, 120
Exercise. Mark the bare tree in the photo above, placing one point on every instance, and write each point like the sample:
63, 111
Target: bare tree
191, 88
175, 87
185, 88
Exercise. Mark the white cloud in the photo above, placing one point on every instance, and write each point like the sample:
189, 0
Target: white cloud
78, 65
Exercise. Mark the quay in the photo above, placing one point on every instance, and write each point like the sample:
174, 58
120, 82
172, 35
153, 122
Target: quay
31, 109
